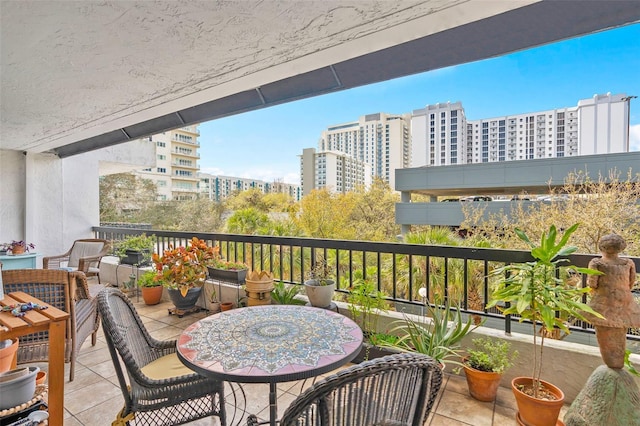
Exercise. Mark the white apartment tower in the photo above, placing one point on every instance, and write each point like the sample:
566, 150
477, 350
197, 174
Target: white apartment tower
440, 135
334, 170
176, 171
218, 188
380, 140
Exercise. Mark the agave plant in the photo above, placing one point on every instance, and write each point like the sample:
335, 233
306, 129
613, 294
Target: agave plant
438, 337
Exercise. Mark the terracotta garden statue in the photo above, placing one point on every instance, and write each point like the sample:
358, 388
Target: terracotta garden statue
612, 297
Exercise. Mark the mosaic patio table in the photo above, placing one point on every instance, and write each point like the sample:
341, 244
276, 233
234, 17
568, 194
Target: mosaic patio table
269, 344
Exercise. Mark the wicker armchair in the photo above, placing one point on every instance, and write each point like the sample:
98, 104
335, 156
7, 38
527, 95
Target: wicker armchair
170, 400
84, 255
396, 390
65, 290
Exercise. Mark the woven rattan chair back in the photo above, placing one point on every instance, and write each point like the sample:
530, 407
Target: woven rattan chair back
394, 390
65, 290
84, 255
170, 401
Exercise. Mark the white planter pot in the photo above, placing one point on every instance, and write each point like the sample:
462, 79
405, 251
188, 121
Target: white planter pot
320, 296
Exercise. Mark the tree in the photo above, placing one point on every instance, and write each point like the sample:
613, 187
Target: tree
247, 221
325, 215
600, 206
124, 195
376, 206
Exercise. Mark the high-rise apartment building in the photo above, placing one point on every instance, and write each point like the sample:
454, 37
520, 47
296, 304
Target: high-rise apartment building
333, 170
380, 140
441, 135
218, 188
176, 171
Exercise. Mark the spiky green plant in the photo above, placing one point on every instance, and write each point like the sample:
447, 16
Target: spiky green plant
534, 292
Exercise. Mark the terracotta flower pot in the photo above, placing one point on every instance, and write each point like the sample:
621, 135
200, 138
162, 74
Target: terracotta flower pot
17, 250
483, 385
226, 306
533, 411
152, 295
41, 377
9, 356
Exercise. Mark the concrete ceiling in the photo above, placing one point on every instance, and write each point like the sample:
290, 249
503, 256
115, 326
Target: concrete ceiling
81, 75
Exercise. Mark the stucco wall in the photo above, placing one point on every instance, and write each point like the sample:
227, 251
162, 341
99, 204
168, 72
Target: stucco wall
51, 202
12, 189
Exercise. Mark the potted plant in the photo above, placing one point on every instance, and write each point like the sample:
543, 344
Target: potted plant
151, 288
484, 365
19, 247
223, 270
438, 336
365, 302
284, 294
136, 249
319, 286
535, 291
183, 270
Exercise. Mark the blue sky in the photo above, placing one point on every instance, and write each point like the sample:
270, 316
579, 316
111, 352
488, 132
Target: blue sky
552, 76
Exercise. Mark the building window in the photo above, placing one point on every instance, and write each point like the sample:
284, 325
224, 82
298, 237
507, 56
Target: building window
162, 170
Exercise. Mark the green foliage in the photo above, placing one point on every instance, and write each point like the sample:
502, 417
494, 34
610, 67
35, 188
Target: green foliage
124, 195
148, 279
141, 243
534, 292
439, 337
490, 355
628, 365
364, 300
320, 274
226, 265
247, 221
284, 294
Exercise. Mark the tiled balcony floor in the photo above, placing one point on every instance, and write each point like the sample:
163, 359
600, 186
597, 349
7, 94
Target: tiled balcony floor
94, 397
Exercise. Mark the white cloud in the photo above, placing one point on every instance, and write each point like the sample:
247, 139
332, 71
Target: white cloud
634, 137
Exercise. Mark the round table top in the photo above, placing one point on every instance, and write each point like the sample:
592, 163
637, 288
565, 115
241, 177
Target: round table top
268, 344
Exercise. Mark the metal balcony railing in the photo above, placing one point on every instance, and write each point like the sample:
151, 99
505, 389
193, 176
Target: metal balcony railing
459, 274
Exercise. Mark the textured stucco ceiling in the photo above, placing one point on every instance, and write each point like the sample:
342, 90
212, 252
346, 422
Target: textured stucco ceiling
73, 70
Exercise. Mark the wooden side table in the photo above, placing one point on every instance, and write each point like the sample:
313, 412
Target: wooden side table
52, 320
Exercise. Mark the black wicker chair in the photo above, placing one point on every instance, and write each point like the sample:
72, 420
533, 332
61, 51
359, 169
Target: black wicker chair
167, 401
396, 390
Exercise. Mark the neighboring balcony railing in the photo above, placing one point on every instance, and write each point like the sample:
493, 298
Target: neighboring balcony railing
460, 274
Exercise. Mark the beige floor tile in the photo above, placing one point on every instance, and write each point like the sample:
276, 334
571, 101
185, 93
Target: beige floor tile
457, 383
93, 357
439, 420
72, 421
102, 413
466, 409
104, 369
82, 399
504, 416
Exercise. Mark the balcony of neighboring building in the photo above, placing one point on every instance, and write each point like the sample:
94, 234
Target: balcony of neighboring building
185, 164
185, 152
188, 141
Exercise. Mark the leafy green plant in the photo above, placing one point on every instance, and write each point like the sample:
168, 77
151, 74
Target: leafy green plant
364, 300
490, 355
141, 243
438, 337
226, 265
534, 292
284, 294
320, 274
148, 279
